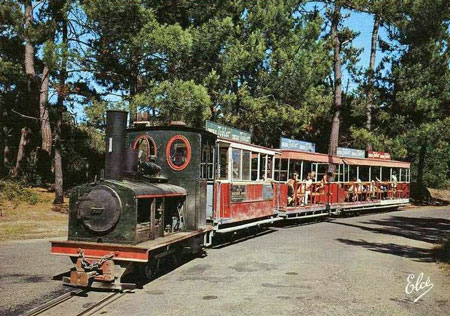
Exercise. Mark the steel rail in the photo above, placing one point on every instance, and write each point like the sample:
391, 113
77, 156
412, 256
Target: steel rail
67, 296
102, 303
52, 303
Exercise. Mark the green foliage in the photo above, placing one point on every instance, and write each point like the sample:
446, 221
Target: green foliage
178, 101
16, 192
419, 91
83, 153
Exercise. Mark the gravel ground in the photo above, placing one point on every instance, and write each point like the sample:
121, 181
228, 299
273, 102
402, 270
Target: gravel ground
346, 266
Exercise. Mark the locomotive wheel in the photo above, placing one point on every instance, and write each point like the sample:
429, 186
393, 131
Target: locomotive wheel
148, 270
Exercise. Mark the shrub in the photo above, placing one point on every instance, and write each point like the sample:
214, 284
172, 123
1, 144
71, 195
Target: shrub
442, 252
16, 192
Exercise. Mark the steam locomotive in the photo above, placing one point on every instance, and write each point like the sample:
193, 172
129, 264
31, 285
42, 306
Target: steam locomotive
167, 190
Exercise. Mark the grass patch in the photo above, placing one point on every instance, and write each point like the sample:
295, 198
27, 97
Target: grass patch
29, 215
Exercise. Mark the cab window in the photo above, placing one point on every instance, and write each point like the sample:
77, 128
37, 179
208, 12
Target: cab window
146, 147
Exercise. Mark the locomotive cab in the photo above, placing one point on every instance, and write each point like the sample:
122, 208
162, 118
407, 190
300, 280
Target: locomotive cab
186, 157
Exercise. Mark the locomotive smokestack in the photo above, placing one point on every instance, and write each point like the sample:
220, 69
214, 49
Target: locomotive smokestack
116, 126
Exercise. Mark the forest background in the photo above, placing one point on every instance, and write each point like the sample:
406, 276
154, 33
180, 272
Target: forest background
276, 68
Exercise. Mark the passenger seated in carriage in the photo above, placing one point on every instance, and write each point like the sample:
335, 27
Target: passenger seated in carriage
394, 181
383, 188
352, 191
325, 180
291, 188
308, 184
373, 189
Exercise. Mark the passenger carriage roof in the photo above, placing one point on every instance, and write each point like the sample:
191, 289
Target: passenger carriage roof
308, 156
376, 162
248, 146
325, 158
144, 189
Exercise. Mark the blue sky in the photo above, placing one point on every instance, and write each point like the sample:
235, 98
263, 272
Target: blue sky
363, 24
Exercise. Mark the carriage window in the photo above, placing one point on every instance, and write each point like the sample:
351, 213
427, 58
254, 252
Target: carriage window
277, 169
281, 166
404, 175
364, 173
283, 170
353, 173
338, 174
262, 167
269, 174
254, 165
212, 151
375, 175
295, 166
204, 159
178, 152
236, 158
386, 174
207, 161
245, 165
223, 160
395, 172
146, 147
321, 170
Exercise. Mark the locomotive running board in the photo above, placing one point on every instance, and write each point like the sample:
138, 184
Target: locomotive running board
252, 224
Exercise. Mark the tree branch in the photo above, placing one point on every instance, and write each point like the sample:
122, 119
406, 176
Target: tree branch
26, 116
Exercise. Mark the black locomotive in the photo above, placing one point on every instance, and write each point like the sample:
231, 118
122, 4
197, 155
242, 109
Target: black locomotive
134, 215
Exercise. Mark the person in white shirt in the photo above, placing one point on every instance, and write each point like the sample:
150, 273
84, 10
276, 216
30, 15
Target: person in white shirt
394, 180
308, 184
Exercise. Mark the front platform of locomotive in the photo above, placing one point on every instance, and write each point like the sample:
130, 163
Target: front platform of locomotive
150, 206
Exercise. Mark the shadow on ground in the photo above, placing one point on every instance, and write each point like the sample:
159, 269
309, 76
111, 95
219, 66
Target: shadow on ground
419, 254
225, 240
425, 229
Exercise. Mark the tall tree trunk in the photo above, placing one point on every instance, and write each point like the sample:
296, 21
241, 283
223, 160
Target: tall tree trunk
420, 168
29, 48
31, 76
5, 151
334, 135
21, 151
4, 148
43, 113
59, 191
45, 153
370, 83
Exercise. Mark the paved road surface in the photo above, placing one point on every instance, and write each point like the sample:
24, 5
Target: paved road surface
26, 272
347, 266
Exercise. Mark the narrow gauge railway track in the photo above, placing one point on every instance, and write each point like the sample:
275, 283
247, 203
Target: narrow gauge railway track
55, 304
102, 303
